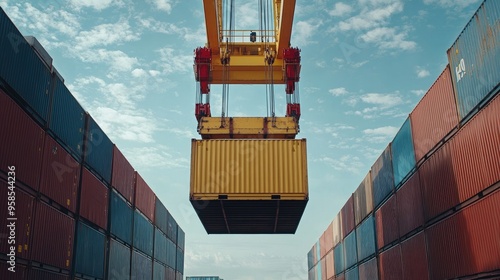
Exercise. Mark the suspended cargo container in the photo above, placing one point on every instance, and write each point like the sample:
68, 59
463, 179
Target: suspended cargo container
53, 232
387, 222
94, 200
179, 265
60, 175
160, 244
67, 119
172, 228
435, 116
22, 141
352, 274
390, 264
382, 177
474, 58
338, 258
90, 249
337, 229
118, 261
145, 197
24, 223
366, 241
363, 200
350, 250
143, 234
98, 154
414, 258
121, 218
347, 212
40, 274
181, 238
161, 216
409, 210
330, 268
369, 270
159, 271
22, 72
403, 154
249, 186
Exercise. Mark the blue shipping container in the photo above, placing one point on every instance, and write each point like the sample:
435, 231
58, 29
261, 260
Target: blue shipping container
475, 56
310, 259
67, 119
366, 242
160, 253
143, 233
319, 275
90, 248
121, 218
352, 274
382, 177
98, 150
118, 261
318, 252
22, 70
350, 250
403, 154
142, 267
172, 228
181, 238
338, 260
179, 266
171, 253
161, 216
159, 271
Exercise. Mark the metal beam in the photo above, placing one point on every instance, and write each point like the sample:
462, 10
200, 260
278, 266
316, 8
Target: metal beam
212, 24
284, 24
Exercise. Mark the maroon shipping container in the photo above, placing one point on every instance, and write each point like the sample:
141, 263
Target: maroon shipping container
368, 270
20, 272
390, 264
490, 143
323, 269
340, 276
21, 143
363, 199
467, 242
53, 236
386, 221
123, 178
94, 199
39, 274
144, 197
410, 209
329, 238
24, 205
414, 256
330, 268
60, 175
348, 216
434, 116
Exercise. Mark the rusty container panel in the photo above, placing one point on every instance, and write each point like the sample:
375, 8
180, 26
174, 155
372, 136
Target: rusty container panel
94, 199
410, 212
145, 197
363, 199
53, 232
24, 213
368, 270
403, 153
123, 178
467, 242
387, 222
474, 58
337, 229
490, 142
434, 116
60, 175
21, 143
414, 257
329, 264
246, 169
347, 212
390, 264
382, 177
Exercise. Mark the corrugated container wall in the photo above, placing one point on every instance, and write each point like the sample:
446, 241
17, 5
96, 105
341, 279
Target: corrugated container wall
319, 275
387, 222
67, 119
160, 244
403, 154
123, 175
143, 233
366, 241
39, 274
323, 269
322, 245
178, 275
118, 261
181, 238
330, 268
382, 176
25, 141
142, 267
144, 197
20, 274
352, 274
410, 210
179, 265
121, 218
475, 56
363, 199
310, 259
312, 274
171, 228
171, 254
338, 258
98, 153
369, 270
94, 199
414, 258
159, 271
161, 216
90, 249
348, 222
20, 61
390, 264
337, 229
350, 250
434, 116
170, 273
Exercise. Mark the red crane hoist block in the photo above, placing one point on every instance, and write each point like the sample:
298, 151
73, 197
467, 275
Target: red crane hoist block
203, 60
293, 110
291, 57
202, 110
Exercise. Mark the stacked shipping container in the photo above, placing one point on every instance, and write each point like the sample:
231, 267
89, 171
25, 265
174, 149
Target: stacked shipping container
436, 188
86, 213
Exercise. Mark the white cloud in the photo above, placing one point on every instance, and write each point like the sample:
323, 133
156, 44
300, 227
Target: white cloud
321, 64
246, 16
156, 156
338, 91
418, 92
139, 72
383, 100
304, 31
370, 18
95, 4
346, 163
163, 5
421, 72
117, 60
154, 73
340, 9
458, 4
106, 34
359, 64
388, 131
388, 38
174, 62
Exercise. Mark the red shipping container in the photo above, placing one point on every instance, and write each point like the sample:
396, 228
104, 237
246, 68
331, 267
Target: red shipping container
467, 242
323, 269
490, 143
94, 199
368, 270
20, 272
337, 229
329, 238
53, 235
144, 197
123, 178
21, 143
60, 175
390, 264
363, 199
410, 209
322, 246
386, 221
348, 216
414, 256
39, 274
330, 268
434, 116
23, 212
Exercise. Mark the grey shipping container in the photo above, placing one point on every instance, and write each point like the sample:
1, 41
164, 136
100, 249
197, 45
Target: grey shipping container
382, 177
98, 153
170, 273
338, 259
121, 218
161, 216
118, 261
142, 268
172, 228
180, 261
160, 252
143, 233
350, 251
159, 271
365, 235
352, 274
403, 154
181, 238
171, 253
90, 249
310, 259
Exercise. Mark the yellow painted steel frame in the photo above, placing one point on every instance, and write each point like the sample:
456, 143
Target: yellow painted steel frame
248, 127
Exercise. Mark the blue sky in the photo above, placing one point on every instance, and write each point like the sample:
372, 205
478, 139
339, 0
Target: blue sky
365, 65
